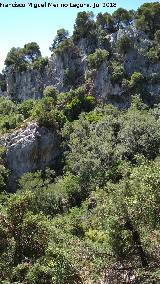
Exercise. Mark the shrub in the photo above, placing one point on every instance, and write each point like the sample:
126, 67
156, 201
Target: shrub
117, 72
79, 102
136, 79
40, 63
124, 44
25, 108
153, 54
45, 111
157, 36
3, 85
135, 85
96, 59
9, 116
51, 92
70, 76
67, 46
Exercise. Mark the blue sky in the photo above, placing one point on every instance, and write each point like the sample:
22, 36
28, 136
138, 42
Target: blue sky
22, 25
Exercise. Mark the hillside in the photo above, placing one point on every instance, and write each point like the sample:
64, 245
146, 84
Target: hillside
80, 154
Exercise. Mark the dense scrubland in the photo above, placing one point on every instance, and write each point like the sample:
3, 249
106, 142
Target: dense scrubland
95, 216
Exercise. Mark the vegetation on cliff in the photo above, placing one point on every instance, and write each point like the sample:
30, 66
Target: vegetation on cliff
96, 217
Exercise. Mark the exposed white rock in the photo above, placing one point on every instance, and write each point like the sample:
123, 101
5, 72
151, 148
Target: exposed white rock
31, 148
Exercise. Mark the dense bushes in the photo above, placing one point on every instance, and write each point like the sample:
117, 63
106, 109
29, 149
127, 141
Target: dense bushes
96, 218
10, 118
135, 85
67, 46
96, 59
117, 72
148, 18
124, 44
110, 176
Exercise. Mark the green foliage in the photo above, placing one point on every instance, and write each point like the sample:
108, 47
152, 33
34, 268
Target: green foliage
67, 46
3, 170
102, 40
121, 15
84, 26
21, 58
25, 108
136, 82
70, 76
51, 92
157, 36
96, 59
148, 18
153, 55
6, 106
97, 217
9, 116
135, 85
106, 22
15, 58
31, 51
139, 135
124, 44
3, 86
46, 113
75, 102
62, 35
40, 63
117, 72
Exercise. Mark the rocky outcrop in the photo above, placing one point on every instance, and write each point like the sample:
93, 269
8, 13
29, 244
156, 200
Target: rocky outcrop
31, 83
30, 149
66, 71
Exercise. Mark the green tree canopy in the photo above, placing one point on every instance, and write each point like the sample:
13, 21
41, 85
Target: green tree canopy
62, 34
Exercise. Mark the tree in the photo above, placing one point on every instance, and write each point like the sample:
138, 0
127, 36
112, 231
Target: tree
26, 107
20, 58
15, 57
148, 18
84, 25
52, 92
139, 134
40, 63
121, 15
106, 22
137, 83
102, 39
31, 51
28, 230
62, 35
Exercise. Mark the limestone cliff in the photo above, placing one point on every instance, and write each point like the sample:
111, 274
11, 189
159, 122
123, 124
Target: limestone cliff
30, 83
30, 149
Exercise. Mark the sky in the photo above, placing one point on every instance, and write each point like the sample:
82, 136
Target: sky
19, 26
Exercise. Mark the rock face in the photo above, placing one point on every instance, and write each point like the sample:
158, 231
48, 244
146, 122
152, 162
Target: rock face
30, 83
30, 149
